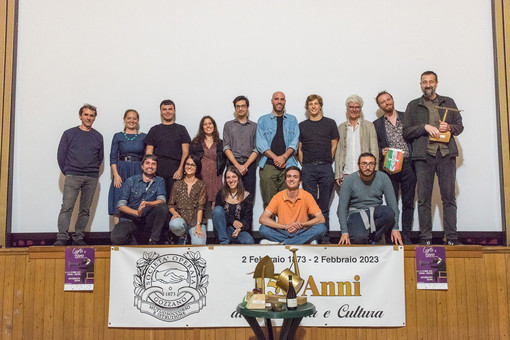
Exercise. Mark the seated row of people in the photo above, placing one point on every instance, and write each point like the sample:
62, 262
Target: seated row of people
291, 217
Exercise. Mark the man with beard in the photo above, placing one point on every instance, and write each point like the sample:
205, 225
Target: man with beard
170, 142
142, 207
300, 219
363, 218
277, 141
389, 135
423, 119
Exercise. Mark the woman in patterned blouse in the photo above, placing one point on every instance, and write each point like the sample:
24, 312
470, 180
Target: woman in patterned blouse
187, 204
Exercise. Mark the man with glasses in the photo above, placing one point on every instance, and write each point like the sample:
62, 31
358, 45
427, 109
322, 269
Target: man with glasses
239, 143
80, 154
356, 136
363, 217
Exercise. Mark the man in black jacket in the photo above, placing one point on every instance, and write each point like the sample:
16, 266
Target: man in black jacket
389, 135
423, 121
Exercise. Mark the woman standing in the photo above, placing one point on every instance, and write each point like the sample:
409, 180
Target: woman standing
187, 204
208, 146
233, 213
125, 157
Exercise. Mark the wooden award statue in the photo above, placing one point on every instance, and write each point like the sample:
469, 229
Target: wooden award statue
444, 137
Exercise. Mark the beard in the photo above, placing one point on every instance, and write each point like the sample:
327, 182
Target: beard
368, 178
429, 92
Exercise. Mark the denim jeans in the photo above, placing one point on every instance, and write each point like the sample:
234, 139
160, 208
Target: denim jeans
72, 186
319, 180
384, 219
302, 236
445, 167
405, 181
224, 231
272, 181
179, 227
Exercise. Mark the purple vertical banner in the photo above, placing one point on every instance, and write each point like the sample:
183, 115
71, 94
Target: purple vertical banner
431, 268
79, 271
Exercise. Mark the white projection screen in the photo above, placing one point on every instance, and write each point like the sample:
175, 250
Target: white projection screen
120, 54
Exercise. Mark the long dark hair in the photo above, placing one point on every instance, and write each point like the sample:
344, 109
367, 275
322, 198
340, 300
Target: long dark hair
199, 138
225, 191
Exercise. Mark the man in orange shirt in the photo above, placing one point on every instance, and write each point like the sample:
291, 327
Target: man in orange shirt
292, 206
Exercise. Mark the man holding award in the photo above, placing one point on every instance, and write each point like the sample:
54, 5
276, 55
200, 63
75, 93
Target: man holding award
429, 124
395, 159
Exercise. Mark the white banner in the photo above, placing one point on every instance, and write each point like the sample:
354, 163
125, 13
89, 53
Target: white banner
202, 286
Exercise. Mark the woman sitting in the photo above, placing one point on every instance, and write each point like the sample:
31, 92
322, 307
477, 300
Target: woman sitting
187, 203
233, 212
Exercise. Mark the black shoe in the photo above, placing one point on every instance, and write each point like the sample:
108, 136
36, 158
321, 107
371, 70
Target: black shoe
80, 242
407, 240
60, 243
454, 243
425, 242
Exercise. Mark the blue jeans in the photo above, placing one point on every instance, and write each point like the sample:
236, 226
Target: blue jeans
179, 227
319, 180
72, 186
384, 219
224, 231
301, 236
445, 167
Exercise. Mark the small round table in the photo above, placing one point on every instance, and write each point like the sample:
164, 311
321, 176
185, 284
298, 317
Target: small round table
291, 319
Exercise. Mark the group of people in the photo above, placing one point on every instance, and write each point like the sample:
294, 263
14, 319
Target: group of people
164, 182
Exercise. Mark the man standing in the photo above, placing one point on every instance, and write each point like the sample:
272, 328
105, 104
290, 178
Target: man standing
239, 143
318, 138
80, 154
169, 142
363, 218
389, 135
423, 120
277, 140
292, 206
356, 136
142, 207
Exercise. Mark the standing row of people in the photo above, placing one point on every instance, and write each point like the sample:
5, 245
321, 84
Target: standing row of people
278, 142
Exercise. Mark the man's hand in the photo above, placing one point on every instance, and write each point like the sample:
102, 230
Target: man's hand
142, 206
345, 239
178, 174
432, 130
294, 227
396, 237
444, 127
280, 162
242, 168
338, 182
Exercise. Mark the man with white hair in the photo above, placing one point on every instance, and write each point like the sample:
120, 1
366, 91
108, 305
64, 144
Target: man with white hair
356, 137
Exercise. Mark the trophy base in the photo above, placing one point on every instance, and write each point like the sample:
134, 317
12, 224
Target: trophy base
444, 137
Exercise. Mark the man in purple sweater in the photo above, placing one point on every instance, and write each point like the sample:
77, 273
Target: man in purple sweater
80, 154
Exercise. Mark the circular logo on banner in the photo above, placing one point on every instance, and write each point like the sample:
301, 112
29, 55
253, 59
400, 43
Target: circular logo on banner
170, 287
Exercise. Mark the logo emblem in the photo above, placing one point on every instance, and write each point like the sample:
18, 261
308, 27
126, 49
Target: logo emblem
170, 287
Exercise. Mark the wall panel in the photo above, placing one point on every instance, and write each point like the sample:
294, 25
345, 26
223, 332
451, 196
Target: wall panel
34, 305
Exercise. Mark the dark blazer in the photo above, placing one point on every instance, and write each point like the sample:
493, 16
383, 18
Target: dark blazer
417, 116
382, 138
198, 150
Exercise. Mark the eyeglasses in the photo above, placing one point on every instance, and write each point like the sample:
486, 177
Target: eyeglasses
190, 164
243, 106
354, 107
367, 165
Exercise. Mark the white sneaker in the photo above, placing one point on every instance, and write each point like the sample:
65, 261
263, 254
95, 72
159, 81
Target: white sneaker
314, 242
265, 241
